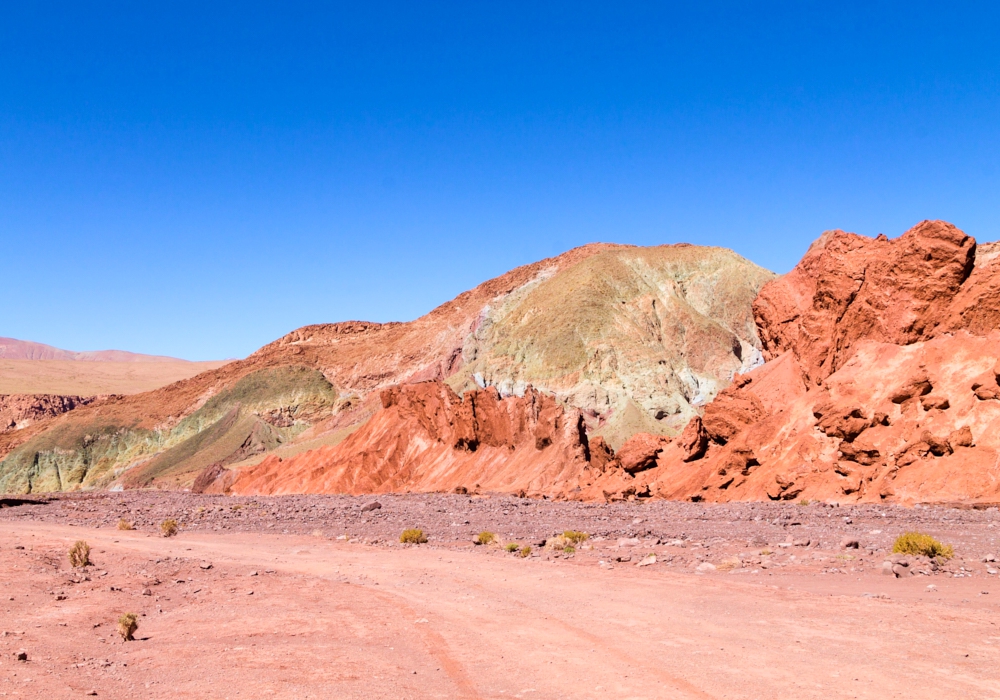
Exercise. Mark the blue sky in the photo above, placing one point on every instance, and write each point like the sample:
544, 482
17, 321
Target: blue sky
197, 181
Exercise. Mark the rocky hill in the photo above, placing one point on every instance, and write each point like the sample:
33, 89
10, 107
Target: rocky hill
882, 382
610, 340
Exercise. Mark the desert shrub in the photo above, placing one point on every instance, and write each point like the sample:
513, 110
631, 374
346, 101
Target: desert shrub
413, 536
79, 554
575, 537
916, 543
729, 564
804, 502
512, 546
124, 524
485, 537
168, 527
569, 549
127, 625
524, 551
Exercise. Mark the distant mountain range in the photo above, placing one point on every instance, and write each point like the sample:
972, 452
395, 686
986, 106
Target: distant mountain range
14, 349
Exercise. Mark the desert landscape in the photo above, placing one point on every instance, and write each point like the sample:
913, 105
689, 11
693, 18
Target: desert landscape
620, 472
314, 596
395, 350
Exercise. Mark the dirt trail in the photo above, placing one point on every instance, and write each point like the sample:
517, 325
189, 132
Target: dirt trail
331, 619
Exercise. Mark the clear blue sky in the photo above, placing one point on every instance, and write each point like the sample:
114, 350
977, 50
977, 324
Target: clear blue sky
197, 180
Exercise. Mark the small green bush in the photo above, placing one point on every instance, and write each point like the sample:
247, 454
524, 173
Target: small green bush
485, 537
917, 543
512, 546
413, 536
168, 527
575, 537
79, 555
525, 551
127, 625
569, 549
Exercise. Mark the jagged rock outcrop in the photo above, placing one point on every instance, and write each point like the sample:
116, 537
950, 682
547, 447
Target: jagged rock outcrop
882, 381
850, 288
427, 438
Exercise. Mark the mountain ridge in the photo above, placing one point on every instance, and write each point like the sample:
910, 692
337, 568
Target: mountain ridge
14, 349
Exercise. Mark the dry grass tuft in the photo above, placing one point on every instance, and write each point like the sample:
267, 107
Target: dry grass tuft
917, 543
168, 527
79, 555
574, 537
485, 537
511, 546
124, 524
729, 564
524, 551
127, 625
413, 536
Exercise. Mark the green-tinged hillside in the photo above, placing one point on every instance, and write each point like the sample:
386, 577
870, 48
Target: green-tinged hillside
257, 413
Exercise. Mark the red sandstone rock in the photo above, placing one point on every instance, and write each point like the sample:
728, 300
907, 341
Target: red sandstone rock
427, 438
640, 451
849, 288
694, 440
890, 394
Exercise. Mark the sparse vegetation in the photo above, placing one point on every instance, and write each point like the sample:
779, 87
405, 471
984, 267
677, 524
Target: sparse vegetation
168, 528
124, 524
917, 543
485, 537
413, 536
127, 625
525, 551
765, 552
79, 555
804, 502
512, 546
728, 564
567, 542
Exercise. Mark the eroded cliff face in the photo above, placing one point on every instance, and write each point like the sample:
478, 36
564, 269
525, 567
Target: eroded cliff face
881, 382
636, 339
427, 438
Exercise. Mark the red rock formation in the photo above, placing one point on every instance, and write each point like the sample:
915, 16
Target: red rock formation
640, 452
882, 382
21, 410
849, 288
427, 438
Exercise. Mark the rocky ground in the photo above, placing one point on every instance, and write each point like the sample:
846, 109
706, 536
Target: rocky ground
313, 596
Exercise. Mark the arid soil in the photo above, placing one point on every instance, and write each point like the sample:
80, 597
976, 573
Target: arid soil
313, 596
77, 378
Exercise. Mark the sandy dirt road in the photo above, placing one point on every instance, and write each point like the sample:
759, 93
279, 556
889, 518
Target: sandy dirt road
293, 616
